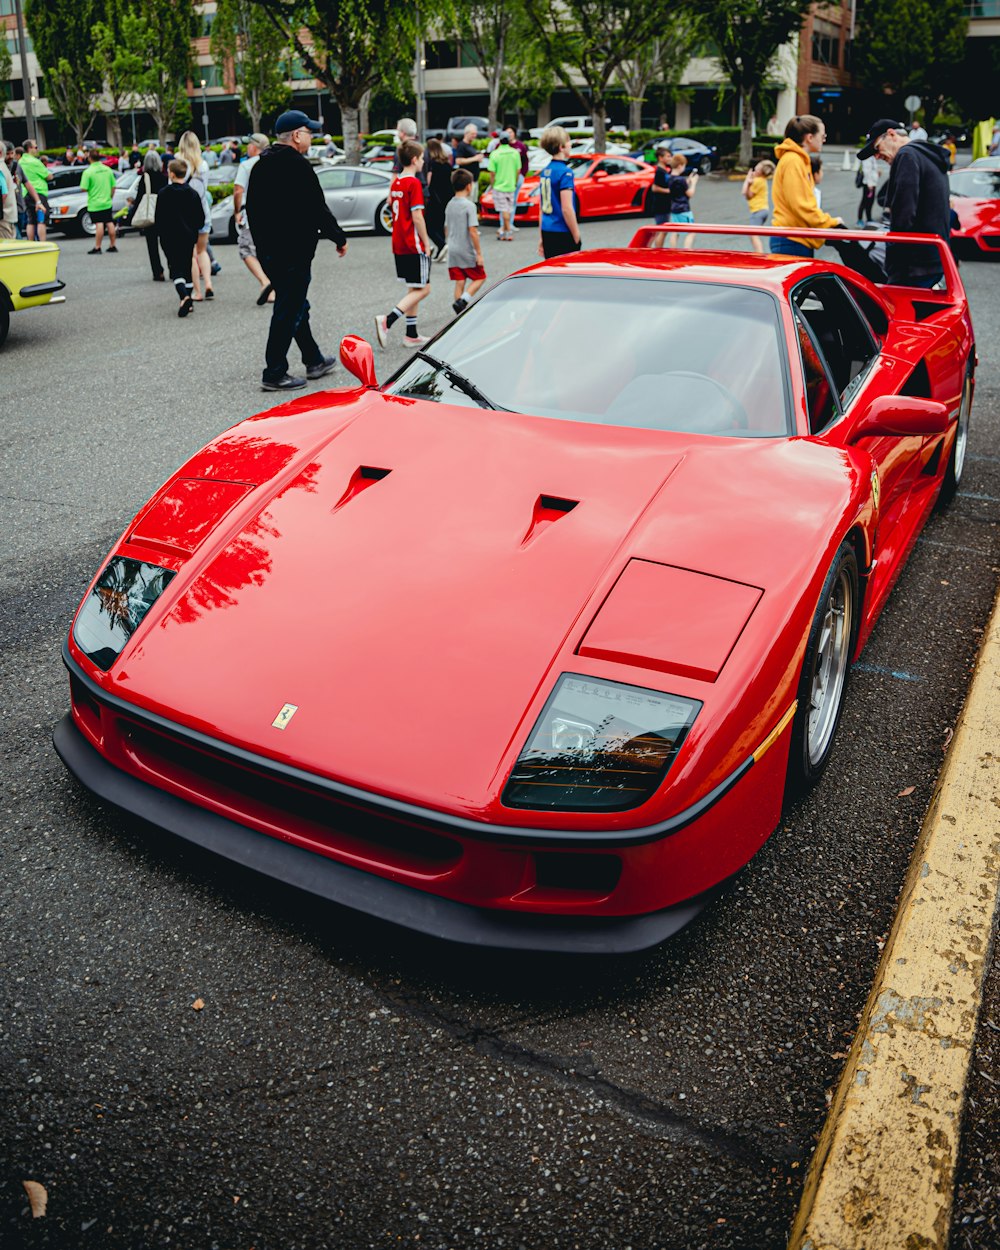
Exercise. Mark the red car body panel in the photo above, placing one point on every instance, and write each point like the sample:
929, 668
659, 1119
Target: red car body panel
391, 570
600, 194
978, 222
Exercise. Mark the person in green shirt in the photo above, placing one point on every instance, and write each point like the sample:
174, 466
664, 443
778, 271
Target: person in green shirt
37, 177
99, 182
505, 169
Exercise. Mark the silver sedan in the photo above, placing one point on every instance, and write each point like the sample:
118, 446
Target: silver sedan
358, 197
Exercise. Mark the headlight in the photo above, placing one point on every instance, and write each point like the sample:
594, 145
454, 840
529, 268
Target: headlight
599, 746
116, 607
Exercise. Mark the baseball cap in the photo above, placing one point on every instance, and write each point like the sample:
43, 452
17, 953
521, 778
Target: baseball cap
262, 141
877, 131
295, 119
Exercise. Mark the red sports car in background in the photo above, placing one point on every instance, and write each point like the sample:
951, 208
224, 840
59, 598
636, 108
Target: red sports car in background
606, 185
975, 197
525, 646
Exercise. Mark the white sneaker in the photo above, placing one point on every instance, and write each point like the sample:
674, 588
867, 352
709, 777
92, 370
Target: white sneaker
419, 341
442, 253
382, 331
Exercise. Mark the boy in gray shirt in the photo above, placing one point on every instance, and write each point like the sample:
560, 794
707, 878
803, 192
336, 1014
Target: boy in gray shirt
461, 227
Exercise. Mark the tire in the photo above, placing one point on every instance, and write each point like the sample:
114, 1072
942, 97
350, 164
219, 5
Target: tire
825, 672
956, 461
383, 218
705, 165
86, 223
4, 321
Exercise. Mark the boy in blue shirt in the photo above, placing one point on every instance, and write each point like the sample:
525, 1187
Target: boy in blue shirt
557, 218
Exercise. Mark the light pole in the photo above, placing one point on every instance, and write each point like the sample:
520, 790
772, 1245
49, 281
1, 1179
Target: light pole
29, 99
204, 108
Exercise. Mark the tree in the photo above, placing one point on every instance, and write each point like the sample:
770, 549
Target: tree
661, 61
6, 66
528, 78
911, 46
354, 46
486, 26
61, 33
117, 56
167, 30
244, 35
589, 40
747, 34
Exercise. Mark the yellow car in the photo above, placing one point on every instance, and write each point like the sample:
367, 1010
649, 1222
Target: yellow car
27, 278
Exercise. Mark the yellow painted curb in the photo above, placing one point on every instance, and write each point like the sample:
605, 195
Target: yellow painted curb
882, 1177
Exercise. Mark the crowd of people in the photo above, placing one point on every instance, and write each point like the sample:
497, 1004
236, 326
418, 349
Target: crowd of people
434, 216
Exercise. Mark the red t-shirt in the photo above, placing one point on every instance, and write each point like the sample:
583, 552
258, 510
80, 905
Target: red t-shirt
405, 195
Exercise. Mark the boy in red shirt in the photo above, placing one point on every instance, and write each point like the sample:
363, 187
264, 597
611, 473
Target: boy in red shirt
410, 244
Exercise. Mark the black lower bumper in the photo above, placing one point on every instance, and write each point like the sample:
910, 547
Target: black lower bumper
364, 892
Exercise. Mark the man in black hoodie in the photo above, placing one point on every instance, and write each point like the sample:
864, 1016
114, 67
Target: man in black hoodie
917, 200
288, 214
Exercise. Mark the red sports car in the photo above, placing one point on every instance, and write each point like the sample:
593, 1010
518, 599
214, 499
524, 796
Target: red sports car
606, 186
975, 197
525, 646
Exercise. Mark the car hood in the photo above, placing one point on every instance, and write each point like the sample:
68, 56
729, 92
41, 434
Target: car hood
411, 583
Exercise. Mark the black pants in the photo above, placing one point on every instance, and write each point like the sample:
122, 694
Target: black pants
867, 200
558, 243
289, 316
153, 247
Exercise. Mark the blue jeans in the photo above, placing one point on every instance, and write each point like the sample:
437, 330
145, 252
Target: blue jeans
788, 247
289, 316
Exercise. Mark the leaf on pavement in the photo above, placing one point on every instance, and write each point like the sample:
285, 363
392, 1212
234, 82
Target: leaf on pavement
903, 793
198, 1004
37, 1196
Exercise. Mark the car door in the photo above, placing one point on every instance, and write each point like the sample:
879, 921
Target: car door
606, 179
834, 332
372, 191
338, 186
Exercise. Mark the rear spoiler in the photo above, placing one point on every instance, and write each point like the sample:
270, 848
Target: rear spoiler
953, 283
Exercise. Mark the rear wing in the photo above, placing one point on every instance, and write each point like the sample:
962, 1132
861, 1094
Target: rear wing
954, 291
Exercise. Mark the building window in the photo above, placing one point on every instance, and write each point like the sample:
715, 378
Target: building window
212, 75
207, 22
6, 8
441, 54
826, 43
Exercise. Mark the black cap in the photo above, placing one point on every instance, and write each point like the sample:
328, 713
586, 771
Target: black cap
295, 119
877, 131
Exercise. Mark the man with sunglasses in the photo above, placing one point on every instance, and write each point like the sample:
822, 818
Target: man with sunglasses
288, 214
916, 199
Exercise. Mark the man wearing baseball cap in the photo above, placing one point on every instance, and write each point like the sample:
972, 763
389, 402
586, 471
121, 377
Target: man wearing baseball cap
288, 214
916, 199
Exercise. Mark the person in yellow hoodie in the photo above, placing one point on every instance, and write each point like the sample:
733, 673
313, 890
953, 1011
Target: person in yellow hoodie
793, 191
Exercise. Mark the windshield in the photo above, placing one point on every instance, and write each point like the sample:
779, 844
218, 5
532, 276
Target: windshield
983, 184
646, 353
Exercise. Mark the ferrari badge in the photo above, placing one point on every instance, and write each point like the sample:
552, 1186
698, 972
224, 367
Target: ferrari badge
285, 715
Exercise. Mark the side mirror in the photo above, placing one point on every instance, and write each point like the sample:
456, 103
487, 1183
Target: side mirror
901, 416
599, 173
357, 357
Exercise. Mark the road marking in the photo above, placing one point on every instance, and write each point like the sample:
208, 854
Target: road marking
965, 494
887, 672
883, 1173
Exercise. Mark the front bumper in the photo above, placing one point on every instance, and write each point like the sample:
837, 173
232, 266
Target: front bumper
361, 891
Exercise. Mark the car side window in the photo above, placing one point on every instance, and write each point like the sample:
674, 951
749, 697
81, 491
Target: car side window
819, 388
839, 331
611, 166
336, 179
365, 179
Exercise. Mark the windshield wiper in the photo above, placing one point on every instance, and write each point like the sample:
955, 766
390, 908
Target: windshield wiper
459, 380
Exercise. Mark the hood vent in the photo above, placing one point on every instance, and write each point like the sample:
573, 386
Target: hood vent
548, 508
363, 476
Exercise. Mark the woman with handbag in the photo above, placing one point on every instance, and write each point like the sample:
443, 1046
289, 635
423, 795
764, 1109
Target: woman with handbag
143, 212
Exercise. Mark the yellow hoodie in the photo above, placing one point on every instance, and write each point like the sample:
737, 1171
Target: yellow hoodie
794, 193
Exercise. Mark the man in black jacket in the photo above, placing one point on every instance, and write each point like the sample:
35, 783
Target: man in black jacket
288, 214
917, 200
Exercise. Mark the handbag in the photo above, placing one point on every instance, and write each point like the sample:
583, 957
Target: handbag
145, 213
859, 179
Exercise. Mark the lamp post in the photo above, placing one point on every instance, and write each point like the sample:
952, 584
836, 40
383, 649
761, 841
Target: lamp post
204, 108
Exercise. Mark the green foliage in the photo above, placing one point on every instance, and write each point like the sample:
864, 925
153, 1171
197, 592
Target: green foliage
5, 72
61, 33
166, 61
118, 49
219, 190
244, 34
910, 45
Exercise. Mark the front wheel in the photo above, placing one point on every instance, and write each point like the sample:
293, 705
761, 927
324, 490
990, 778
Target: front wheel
383, 218
956, 461
825, 671
87, 225
4, 322
705, 165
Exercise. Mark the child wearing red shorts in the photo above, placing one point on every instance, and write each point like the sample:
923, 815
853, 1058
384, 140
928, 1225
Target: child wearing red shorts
465, 255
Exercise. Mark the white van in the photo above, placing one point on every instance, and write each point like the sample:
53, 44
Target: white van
578, 123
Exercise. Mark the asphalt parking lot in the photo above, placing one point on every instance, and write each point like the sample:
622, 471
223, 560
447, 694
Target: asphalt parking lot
343, 1084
